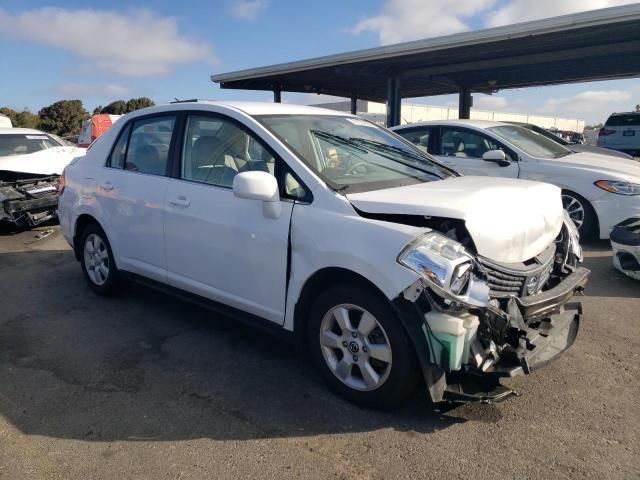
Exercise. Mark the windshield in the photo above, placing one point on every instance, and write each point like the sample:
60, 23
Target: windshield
354, 155
21, 143
531, 143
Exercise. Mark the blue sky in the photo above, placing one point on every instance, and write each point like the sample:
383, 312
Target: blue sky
100, 52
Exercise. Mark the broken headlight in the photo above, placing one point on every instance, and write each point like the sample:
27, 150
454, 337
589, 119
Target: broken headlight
441, 261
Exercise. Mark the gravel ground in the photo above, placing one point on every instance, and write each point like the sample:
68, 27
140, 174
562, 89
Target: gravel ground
147, 386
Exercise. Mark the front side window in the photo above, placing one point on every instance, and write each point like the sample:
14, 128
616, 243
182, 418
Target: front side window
465, 143
352, 154
215, 150
144, 146
531, 143
23, 144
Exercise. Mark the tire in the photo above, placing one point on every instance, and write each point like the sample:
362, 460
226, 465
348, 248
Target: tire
345, 355
581, 212
96, 258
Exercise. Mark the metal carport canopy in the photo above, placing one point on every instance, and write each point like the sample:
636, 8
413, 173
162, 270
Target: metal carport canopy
595, 45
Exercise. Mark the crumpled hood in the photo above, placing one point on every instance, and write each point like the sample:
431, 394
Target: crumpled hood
45, 162
509, 220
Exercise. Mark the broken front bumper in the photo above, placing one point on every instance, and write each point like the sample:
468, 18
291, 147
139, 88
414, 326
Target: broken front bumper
532, 331
28, 202
625, 241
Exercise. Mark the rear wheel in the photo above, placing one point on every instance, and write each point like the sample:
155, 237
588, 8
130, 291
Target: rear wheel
98, 265
360, 347
581, 212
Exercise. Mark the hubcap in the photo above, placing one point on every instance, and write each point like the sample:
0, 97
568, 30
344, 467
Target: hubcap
96, 259
355, 347
574, 208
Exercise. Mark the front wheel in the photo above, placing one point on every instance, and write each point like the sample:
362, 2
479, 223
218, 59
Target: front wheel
360, 347
581, 212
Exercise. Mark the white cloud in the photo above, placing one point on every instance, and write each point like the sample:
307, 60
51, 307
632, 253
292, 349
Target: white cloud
76, 90
591, 101
404, 20
518, 11
247, 9
489, 102
138, 43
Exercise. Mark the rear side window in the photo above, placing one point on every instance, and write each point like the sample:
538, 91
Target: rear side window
623, 120
144, 146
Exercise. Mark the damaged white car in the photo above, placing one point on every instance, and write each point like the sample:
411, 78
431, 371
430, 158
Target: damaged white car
386, 267
30, 163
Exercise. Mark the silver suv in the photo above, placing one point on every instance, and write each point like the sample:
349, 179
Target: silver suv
622, 133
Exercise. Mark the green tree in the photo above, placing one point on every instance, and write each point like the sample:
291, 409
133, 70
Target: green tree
26, 119
119, 107
138, 103
63, 118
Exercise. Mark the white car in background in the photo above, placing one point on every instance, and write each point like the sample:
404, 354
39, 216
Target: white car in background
621, 132
598, 191
379, 262
31, 162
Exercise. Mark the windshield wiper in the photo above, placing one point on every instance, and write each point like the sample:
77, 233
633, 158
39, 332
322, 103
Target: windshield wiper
338, 139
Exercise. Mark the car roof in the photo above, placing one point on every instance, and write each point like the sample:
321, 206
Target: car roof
8, 131
482, 124
250, 108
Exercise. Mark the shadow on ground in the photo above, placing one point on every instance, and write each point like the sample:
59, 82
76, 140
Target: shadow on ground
147, 366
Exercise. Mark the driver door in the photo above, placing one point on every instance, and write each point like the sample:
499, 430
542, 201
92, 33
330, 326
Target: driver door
462, 150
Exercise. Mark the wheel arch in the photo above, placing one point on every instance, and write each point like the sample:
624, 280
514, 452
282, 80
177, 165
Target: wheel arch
81, 223
322, 279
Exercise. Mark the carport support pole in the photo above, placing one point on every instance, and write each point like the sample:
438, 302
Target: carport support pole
277, 95
393, 101
465, 102
354, 104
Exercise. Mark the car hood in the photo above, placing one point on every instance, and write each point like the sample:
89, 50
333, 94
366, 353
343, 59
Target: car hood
45, 162
605, 166
509, 220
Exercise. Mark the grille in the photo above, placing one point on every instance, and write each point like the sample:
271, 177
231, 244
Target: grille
505, 280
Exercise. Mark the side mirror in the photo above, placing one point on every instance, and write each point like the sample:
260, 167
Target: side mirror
258, 185
496, 156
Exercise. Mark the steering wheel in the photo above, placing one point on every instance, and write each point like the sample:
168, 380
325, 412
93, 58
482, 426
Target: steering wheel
352, 169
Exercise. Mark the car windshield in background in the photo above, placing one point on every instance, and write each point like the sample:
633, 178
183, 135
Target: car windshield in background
22, 144
352, 154
531, 143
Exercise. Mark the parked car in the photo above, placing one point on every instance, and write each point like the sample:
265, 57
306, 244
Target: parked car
575, 147
5, 121
30, 163
598, 191
625, 241
381, 262
621, 132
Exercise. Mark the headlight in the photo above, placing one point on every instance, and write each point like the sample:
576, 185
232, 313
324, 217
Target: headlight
441, 261
619, 187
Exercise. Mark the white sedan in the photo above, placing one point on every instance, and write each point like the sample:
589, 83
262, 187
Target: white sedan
598, 191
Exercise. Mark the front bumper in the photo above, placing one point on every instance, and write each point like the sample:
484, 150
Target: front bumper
611, 209
28, 202
531, 332
625, 241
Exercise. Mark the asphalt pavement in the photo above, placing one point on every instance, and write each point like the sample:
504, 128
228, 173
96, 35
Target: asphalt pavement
147, 386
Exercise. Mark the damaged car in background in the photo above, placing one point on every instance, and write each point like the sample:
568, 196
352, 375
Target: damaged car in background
31, 162
386, 267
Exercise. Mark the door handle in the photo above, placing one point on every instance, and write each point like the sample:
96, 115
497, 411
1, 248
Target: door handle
181, 201
107, 186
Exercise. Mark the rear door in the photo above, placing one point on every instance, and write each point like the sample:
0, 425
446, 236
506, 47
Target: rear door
462, 148
218, 245
131, 189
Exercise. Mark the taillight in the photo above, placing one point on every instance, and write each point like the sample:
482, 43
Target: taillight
604, 132
61, 184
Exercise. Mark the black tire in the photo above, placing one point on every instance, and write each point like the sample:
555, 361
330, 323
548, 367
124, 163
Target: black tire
589, 223
111, 281
403, 373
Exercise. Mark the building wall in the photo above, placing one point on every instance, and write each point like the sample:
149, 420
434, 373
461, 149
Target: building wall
412, 113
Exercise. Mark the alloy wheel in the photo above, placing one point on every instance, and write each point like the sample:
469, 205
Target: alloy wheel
574, 208
355, 347
96, 259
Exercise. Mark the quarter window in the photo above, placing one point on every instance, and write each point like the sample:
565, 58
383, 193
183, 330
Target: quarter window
216, 150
